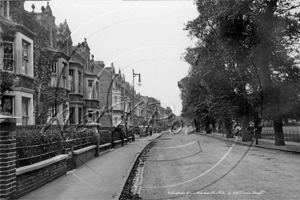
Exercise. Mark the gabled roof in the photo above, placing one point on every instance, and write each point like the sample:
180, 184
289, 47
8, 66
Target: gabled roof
64, 30
48, 9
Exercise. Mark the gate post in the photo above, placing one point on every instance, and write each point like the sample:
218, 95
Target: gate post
7, 157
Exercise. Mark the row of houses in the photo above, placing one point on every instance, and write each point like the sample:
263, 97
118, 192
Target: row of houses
78, 88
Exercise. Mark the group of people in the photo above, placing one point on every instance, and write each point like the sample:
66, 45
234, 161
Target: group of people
253, 130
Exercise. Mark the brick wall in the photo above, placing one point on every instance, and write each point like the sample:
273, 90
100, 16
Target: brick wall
84, 157
7, 163
105, 121
32, 180
105, 137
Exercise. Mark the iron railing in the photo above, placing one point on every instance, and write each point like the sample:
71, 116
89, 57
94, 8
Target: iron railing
27, 155
289, 135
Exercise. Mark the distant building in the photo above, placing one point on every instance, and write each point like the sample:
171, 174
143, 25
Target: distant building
115, 94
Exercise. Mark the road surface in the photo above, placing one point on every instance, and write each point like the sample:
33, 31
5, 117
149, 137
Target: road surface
195, 166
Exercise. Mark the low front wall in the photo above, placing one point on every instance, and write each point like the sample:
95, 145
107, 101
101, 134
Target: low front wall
34, 176
31, 177
83, 155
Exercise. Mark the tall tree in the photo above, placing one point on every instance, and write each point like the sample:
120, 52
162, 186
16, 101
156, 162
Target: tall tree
253, 40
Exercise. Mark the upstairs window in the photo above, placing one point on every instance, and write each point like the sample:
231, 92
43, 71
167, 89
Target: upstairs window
4, 8
51, 37
8, 61
53, 81
53, 76
90, 89
65, 110
64, 77
54, 67
97, 91
115, 100
52, 111
25, 57
79, 82
71, 80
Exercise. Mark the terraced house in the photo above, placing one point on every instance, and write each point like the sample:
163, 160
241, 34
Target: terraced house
16, 57
60, 45
55, 80
72, 75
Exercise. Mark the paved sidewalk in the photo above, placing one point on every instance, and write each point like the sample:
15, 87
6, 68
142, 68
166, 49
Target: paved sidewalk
101, 178
293, 147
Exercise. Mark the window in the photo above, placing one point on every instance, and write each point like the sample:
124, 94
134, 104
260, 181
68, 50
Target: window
25, 61
53, 81
97, 91
79, 82
4, 8
65, 110
71, 80
6, 106
54, 67
116, 120
90, 89
53, 111
25, 114
64, 78
51, 38
90, 115
69, 48
79, 115
115, 100
8, 61
72, 115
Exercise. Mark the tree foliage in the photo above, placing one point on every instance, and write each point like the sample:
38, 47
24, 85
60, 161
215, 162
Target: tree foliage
7, 82
245, 61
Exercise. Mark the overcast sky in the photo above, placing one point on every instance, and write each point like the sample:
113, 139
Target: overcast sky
146, 36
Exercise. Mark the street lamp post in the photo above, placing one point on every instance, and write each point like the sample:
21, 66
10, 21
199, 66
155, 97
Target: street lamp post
139, 83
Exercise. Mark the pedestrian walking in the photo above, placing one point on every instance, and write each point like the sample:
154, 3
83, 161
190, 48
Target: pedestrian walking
250, 128
237, 130
121, 128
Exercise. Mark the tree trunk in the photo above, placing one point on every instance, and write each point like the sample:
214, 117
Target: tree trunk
207, 128
220, 130
278, 131
246, 136
214, 128
197, 125
228, 127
